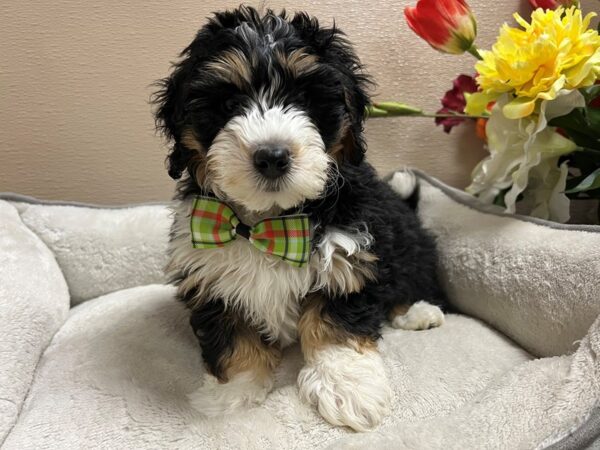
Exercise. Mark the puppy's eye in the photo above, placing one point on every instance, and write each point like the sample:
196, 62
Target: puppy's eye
229, 105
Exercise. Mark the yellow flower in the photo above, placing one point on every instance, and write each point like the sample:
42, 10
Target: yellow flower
555, 51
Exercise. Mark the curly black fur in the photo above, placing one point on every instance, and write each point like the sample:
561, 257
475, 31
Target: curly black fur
406, 269
191, 97
334, 96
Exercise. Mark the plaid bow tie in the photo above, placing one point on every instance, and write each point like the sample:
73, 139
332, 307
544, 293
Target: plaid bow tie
214, 224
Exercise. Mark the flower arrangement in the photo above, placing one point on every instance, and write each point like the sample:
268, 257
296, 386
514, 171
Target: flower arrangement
535, 97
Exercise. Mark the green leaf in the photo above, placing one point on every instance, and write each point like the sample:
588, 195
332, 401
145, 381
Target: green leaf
594, 194
572, 182
499, 200
580, 120
590, 153
583, 140
589, 183
590, 93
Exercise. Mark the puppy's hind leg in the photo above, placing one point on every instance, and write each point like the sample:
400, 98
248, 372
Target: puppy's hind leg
418, 316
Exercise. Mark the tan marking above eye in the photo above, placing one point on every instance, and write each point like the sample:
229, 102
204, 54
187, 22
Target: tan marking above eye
232, 66
298, 62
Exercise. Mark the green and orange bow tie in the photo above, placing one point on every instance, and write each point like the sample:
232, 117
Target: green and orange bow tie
214, 224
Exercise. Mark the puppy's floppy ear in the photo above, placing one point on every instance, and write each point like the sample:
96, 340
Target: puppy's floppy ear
355, 84
170, 118
353, 141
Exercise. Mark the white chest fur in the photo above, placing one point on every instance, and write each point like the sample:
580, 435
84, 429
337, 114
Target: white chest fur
265, 289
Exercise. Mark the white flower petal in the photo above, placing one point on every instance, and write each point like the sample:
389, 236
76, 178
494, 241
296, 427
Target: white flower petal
518, 146
546, 192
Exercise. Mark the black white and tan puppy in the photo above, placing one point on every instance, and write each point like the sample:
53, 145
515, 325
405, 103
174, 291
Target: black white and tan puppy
265, 112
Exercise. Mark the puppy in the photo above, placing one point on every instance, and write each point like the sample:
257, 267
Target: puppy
265, 114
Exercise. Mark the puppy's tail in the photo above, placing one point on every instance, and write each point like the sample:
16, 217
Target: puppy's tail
406, 185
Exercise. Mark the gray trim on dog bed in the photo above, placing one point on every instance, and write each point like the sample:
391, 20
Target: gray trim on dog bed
19, 198
466, 199
586, 436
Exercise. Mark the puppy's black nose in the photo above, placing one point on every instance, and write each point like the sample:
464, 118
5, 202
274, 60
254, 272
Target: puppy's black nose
272, 161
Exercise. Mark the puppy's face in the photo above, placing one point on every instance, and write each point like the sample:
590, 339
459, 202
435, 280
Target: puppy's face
261, 108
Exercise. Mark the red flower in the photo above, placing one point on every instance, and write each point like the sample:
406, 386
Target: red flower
454, 102
552, 4
446, 25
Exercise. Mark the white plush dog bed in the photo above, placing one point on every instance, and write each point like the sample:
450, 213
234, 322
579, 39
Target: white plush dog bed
95, 352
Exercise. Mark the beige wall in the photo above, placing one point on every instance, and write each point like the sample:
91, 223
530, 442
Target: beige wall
75, 81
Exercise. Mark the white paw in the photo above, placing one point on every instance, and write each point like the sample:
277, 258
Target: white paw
420, 316
244, 389
348, 388
404, 183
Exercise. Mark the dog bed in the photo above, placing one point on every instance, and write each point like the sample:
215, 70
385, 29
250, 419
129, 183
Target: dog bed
95, 352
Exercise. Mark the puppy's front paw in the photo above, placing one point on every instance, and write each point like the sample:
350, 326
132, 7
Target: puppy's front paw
420, 316
348, 388
244, 389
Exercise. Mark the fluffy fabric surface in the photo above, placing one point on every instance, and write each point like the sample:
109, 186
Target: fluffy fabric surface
113, 394
34, 302
119, 371
534, 283
103, 250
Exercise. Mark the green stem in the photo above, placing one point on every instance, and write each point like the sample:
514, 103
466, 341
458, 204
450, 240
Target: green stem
382, 114
473, 50
397, 109
443, 116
